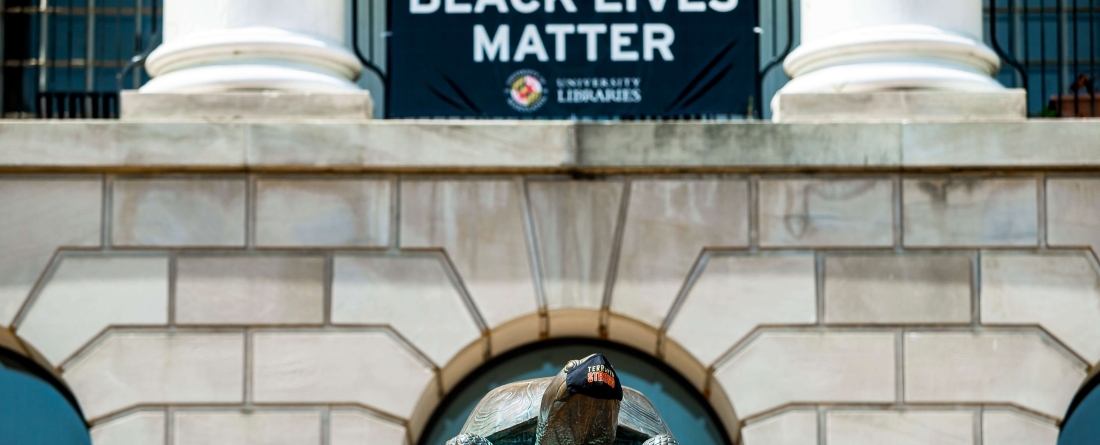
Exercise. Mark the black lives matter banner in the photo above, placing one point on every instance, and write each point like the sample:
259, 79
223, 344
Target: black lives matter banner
571, 58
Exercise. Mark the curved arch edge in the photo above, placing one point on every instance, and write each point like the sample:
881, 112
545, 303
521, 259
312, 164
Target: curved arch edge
519, 334
20, 353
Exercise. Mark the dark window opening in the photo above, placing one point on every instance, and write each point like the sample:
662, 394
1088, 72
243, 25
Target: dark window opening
61, 59
35, 407
1081, 425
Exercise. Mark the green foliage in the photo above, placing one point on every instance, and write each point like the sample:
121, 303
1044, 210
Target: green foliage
1047, 112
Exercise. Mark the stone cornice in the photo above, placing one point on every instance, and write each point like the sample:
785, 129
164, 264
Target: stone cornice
544, 146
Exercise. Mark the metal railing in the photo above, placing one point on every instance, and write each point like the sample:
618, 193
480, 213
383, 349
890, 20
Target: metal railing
778, 34
68, 59
1051, 48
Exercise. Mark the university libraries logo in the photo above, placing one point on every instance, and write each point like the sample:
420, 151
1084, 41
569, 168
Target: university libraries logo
526, 90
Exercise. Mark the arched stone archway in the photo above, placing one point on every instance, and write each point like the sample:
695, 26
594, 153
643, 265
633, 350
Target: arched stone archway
687, 411
581, 324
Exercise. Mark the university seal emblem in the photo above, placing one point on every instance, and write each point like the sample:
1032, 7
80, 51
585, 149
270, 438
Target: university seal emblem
526, 91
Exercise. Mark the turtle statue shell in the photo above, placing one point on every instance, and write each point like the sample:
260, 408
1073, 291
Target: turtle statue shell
517, 414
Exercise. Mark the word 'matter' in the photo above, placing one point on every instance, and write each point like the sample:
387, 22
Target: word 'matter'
625, 42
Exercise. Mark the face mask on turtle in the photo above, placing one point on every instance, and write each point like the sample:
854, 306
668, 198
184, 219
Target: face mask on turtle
593, 377
581, 404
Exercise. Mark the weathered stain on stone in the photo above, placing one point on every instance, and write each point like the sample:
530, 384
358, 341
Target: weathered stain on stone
799, 221
938, 189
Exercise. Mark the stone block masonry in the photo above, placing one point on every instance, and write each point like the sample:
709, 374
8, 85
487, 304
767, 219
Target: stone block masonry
838, 304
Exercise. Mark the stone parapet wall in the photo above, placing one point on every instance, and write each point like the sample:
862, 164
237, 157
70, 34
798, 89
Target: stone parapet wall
544, 146
847, 307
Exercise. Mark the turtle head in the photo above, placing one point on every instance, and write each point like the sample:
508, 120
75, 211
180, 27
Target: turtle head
581, 404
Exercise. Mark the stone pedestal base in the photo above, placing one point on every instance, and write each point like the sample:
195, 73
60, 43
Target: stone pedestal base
259, 105
1005, 105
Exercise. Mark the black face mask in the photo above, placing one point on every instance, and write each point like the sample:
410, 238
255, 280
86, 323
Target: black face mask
594, 378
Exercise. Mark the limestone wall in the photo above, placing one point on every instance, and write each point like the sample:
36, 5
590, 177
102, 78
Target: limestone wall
858, 308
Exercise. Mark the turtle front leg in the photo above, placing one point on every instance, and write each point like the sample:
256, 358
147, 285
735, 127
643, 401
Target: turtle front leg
473, 439
661, 439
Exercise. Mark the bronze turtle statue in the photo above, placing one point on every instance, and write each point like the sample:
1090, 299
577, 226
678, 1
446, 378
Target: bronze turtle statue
584, 404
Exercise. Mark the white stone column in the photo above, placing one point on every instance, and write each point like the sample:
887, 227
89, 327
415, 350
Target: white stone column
217, 46
869, 46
